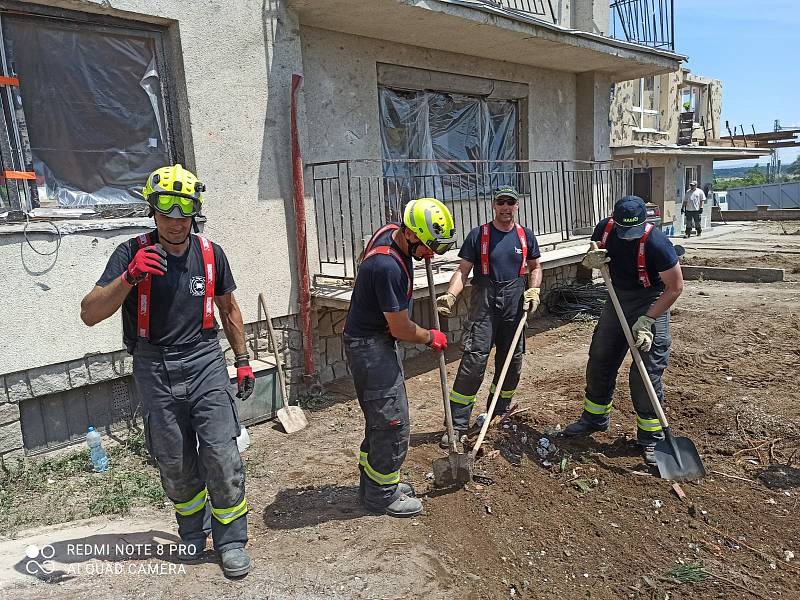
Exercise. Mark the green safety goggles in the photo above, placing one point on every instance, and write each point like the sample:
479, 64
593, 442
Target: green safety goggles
166, 203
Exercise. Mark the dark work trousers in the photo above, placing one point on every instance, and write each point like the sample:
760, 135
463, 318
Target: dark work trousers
495, 311
693, 220
606, 353
186, 398
380, 386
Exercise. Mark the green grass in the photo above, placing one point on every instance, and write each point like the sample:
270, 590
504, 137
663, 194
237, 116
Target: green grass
64, 488
688, 573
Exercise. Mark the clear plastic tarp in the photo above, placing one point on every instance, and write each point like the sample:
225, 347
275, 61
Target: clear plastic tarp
443, 132
93, 108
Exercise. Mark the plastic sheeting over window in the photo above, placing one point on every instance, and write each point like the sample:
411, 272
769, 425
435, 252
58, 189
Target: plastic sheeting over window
446, 131
92, 100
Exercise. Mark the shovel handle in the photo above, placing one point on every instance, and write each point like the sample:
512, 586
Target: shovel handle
262, 304
500, 382
448, 415
637, 358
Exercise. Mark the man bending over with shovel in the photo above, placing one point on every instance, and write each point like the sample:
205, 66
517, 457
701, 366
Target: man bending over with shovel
647, 278
506, 277
378, 317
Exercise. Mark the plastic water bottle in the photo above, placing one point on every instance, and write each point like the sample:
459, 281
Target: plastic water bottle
99, 456
243, 441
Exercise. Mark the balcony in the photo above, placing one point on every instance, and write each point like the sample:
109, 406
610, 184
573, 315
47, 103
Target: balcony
526, 32
559, 199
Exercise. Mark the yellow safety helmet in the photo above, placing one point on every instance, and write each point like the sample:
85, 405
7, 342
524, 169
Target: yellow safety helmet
432, 223
174, 191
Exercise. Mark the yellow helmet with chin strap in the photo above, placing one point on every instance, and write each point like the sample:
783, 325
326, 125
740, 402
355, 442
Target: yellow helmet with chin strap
175, 192
431, 222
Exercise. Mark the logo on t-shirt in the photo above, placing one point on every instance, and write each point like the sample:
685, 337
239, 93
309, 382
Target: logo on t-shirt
197, 286
518, 250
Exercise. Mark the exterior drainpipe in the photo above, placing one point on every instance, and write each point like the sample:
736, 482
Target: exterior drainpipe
300, 236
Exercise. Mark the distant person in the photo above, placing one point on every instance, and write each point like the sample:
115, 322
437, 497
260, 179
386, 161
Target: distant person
693, 201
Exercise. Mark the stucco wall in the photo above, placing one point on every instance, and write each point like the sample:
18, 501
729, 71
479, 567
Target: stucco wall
233, 70
341, 79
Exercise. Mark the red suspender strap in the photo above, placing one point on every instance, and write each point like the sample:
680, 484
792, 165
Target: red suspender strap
523, 243
377, 234
485, 249
211, 282
388, 251
606, 232
641, 266
143, 296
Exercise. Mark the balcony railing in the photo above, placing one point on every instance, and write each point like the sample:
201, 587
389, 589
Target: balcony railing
354, 198
532, 8
646, 22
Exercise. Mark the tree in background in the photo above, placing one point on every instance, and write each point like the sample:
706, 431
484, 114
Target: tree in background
755, 176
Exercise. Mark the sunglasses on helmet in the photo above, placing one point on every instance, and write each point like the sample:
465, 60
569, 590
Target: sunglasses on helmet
440, 247
189, 207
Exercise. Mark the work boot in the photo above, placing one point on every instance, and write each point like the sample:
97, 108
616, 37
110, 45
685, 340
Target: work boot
402, 506
190, 551
687, 235
649, 455
583, 428
235, 562
407, 489
444, 443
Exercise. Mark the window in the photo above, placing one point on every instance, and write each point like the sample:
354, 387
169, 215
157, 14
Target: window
86, 117
452, 130
691, 174
646, 103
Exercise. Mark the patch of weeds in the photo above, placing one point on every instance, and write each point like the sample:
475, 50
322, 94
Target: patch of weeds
563, 465
688, 573
117, 491
584, 486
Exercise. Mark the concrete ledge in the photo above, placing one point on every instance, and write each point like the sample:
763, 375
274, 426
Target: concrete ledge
748, 275
761, 213
338, 296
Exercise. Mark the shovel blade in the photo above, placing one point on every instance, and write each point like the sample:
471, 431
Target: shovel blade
292, 418
455, 470
678, 459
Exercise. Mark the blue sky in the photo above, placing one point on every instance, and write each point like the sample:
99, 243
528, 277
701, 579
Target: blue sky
752, 46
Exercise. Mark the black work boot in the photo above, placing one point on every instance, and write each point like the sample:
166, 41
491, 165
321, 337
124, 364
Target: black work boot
235, 562
190, 551
649, 455
583, 428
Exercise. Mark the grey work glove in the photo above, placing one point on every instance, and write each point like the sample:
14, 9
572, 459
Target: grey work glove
531, 298
643, 333
445, 304
595, 259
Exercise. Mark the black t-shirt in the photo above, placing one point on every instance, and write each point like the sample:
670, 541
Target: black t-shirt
381, 286
176, 314
505, 252
659, 256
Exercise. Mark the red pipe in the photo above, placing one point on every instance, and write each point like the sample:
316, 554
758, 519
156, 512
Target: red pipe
300, 236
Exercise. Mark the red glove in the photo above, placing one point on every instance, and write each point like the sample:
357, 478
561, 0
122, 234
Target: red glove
150, 260
245, 378
438, 340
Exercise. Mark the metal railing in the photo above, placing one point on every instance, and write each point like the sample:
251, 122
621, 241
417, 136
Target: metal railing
646, 22
534, 8
353, 198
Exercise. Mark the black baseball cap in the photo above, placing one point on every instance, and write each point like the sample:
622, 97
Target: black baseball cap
630, 216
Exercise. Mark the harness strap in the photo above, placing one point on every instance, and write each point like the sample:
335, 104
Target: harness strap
485, 232
144, 296
641, 263
389, 251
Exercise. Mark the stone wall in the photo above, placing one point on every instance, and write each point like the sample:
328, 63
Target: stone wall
328, 325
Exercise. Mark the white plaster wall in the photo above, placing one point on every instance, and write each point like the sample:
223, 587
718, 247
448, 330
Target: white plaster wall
233, 68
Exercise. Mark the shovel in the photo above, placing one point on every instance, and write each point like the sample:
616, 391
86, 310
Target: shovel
677, 457
498, 387
291, 417
456, 469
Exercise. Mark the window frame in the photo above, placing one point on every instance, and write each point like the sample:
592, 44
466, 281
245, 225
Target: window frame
24, 200
639, 111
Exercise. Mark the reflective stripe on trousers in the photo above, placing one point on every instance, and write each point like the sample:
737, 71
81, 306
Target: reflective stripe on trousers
495, 310
380, 386
187, 401
606, 354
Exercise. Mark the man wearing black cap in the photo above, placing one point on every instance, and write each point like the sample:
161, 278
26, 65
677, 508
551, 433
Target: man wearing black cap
648, 280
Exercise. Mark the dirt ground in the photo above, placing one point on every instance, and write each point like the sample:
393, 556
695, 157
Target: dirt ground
588, 522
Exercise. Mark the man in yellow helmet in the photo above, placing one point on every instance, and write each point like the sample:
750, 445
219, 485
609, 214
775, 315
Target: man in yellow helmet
167, 283
503, 257
379, 316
